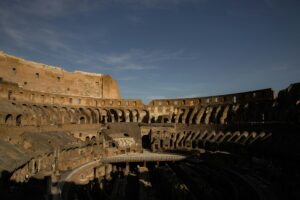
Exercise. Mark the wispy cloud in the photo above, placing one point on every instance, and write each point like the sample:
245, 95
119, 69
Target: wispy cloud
133, 59
51, 41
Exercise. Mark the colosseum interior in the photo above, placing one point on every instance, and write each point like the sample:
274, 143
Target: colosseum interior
69, 135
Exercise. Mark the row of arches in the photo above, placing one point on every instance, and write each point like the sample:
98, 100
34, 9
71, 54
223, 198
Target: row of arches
11, 120
205, 139
218, 114
37, 115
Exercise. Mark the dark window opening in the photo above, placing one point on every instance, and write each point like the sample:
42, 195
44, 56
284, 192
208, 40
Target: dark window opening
82, 120
146, 142
8, 119
19, 120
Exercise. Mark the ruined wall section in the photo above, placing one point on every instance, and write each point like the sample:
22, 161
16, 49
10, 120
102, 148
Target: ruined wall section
212, 109
49, 79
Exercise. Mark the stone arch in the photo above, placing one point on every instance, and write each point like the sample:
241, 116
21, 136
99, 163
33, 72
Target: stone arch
189, 115
65, 115
52, 115
210, 136
199, 115
234, 136
217, 136
128, 115
185, 137
93, 140
94, 116
224, 114
98, 115
121, 115
82, 119
114, 115
105, 116
260, 137
58, 115
135, 115
181, 139
208, 114
175, 140
179, 117
203, 134
143, 116
19, 120
193, 118
225, 138
217, 113
8, 119
86, 113
250, 138
30, 116
42, 116
74, 115
242, 138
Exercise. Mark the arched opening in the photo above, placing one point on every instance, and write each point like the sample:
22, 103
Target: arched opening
194, 144
114, 114
87, 138
93, 140
82, 120
35, 167
226, 138
146, 142
161, 143
234, 137
130, 116
19, 120
181, 116
8, 119
188, 116
152, 119
166, 120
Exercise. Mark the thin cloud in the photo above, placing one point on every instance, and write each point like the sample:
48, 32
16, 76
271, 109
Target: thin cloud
133, 59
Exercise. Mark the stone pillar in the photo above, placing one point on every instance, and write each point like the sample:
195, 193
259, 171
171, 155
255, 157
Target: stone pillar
126, 171
108, 170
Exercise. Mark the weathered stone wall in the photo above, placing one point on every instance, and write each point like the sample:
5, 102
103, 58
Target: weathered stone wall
254, 121
54, 80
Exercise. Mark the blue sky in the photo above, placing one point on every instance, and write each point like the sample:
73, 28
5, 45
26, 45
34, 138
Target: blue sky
161, 48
